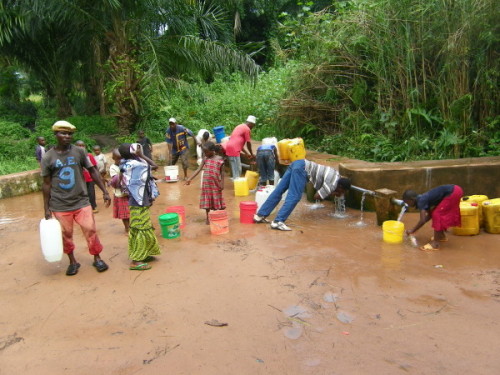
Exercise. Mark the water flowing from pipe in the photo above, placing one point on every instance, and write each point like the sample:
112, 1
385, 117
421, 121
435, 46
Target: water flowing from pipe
361, 223
339, 203
402, 212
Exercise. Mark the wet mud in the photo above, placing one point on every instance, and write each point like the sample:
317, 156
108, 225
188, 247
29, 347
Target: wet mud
330, 297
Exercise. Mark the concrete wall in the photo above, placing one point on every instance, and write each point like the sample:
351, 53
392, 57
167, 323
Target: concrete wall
474, 175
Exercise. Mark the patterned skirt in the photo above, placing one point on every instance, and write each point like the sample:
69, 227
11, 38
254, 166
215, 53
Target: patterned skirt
142, 241
120, 208
211, 194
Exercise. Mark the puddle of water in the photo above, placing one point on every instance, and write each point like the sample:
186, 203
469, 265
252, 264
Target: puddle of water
391, 257
7, 219
18, 209
294, 332
344, 317
330, 297
316, 205
359, 224
312, 362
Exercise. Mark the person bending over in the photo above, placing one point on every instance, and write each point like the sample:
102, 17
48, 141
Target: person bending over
442, 205
326, 180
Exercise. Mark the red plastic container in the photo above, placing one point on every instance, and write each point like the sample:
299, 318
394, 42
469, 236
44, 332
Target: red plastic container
181, 212
247, 210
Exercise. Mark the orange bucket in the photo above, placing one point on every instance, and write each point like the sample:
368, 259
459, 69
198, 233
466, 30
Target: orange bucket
219, 223
180, 211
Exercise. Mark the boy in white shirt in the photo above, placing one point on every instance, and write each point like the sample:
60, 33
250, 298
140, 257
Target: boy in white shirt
102, 163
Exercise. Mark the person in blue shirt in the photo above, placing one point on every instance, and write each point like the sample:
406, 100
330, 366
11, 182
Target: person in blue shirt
266, 161
442, 205
177, 141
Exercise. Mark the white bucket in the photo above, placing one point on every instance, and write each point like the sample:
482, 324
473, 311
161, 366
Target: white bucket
51, 240
276, 177
262, 194
171, 173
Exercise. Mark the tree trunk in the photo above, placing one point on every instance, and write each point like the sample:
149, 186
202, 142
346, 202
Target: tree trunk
64, 109
125, 75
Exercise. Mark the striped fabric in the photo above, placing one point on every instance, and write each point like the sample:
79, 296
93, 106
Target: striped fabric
211, 190
142, 241
324, 178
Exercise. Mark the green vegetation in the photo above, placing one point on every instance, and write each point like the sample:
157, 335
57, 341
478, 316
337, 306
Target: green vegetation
394, 80
378, 80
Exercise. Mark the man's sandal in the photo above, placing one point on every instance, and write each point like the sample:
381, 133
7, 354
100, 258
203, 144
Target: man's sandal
72, 269
100, 266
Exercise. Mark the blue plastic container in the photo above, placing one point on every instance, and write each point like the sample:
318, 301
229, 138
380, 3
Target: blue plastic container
219, 133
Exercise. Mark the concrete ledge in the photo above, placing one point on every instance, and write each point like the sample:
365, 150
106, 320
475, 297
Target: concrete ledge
474, 175
21, 183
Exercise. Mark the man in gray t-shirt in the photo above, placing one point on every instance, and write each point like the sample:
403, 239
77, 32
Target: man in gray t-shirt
65, 194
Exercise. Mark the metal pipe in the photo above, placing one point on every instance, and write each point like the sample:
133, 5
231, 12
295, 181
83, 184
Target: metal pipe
364, 191
399, 202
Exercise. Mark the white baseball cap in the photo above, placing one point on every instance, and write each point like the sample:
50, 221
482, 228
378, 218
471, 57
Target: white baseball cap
251, 119
172, 119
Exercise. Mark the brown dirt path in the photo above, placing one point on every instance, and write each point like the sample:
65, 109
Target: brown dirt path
282, 295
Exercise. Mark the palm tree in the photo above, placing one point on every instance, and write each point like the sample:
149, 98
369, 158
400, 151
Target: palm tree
116, 47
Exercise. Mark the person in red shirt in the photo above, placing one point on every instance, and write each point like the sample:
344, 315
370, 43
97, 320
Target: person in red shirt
236, 145
88, 178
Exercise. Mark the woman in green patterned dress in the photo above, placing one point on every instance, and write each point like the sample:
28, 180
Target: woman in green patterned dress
136, 171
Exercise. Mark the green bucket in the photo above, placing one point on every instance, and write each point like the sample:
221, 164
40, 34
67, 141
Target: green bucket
169, 224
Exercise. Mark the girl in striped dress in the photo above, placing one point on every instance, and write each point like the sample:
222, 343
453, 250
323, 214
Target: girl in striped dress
213, 179
136, 171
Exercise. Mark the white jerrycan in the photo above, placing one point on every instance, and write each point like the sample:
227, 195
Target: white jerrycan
51, 240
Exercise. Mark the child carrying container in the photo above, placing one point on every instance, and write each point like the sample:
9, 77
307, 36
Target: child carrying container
213, 179
120, 199
442, 205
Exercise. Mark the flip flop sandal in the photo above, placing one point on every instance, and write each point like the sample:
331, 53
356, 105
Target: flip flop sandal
72, 269
100, 266
445, 239
140, 267
428, 247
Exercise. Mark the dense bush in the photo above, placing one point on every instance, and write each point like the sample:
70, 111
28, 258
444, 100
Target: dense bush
227, 101
17, 154
396, 79
18, 142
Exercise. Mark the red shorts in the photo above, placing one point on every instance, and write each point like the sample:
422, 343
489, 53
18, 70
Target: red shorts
447, 212
85, 218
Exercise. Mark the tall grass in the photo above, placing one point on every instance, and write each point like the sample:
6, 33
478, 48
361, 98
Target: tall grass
386, 72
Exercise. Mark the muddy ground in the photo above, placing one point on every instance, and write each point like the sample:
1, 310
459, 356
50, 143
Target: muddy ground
330, 297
